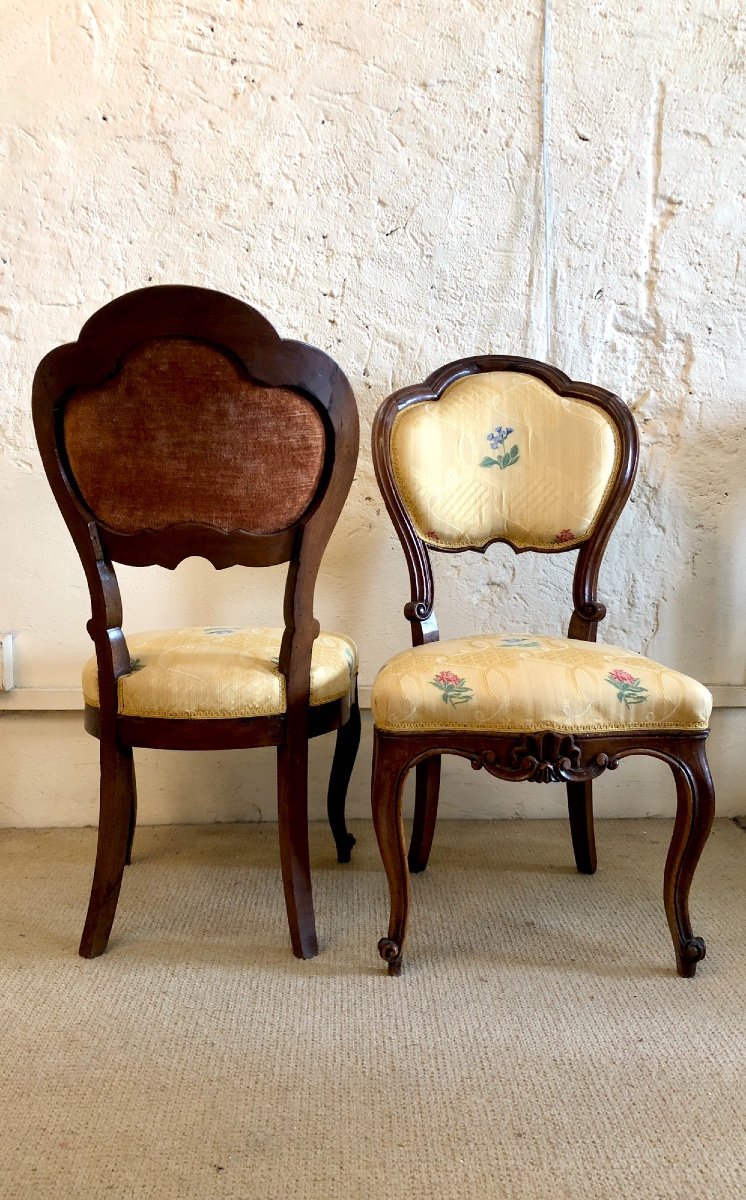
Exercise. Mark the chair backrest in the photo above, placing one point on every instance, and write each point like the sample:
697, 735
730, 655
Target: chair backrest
181, 424
504, 449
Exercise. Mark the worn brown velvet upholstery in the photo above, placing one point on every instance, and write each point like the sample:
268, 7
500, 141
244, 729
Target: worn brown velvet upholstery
178, 434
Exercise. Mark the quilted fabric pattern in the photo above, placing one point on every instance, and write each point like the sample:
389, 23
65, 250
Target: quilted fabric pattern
518, 682
502, 455
220, 672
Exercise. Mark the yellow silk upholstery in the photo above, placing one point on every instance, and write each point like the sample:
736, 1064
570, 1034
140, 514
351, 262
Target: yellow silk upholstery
508, 683
220, 672
541, 485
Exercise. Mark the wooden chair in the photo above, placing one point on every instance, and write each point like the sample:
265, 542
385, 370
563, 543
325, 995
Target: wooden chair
181, 424
501, 449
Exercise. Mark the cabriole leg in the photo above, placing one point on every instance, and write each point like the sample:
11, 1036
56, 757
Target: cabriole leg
389, 773
695, 810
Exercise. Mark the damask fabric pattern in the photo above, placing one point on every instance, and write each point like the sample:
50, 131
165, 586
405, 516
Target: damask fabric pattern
502, 455
220, 672
509, 683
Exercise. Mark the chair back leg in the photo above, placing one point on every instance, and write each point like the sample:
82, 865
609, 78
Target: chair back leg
292, 816
580, 808
133, 814
115, 824
427, 791
345, 751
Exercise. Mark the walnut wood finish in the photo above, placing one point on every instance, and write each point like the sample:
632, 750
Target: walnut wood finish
544, 757
235, 332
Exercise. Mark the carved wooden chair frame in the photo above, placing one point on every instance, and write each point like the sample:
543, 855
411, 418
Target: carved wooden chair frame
261, 357
539, 757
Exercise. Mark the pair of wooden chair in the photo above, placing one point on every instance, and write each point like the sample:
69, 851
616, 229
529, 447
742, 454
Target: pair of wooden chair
181, 424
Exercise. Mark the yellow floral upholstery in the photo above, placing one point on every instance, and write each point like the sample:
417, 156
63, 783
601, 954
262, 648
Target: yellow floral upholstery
220, 672
502, 455
516, 682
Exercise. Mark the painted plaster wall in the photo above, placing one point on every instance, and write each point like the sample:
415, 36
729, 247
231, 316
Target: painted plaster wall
401, 184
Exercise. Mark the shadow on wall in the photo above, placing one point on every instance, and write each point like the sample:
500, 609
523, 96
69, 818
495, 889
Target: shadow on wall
704, 513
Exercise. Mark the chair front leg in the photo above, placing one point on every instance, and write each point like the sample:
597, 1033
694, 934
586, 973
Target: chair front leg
427, 789
345, 751
292, 816
115, 823
580, 808
695, 810
390, 764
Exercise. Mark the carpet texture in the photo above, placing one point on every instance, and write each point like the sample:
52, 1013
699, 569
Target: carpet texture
538, 1043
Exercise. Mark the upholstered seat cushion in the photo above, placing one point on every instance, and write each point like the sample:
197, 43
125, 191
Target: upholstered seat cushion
529, 683
220, 672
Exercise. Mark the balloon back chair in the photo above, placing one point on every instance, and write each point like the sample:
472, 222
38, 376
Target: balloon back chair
503, 449
181, 424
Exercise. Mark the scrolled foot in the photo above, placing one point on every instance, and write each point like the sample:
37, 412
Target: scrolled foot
390, 952
691, 951
344, 849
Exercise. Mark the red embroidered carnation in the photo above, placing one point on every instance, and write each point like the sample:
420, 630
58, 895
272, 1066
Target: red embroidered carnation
564, 535
621, 676
448, 677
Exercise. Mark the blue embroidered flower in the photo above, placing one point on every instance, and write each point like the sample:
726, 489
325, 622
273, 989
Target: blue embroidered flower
220, 632
498, 436
496, 439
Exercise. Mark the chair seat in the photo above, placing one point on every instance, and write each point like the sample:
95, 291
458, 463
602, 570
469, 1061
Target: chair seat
220, 672
509, 683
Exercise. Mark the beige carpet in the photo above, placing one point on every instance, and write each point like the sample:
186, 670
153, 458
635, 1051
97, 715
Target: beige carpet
538, 1043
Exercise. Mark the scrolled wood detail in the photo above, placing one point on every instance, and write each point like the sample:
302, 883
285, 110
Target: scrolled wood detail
418, 610
544, 758
592, 611
693, 949
391, 952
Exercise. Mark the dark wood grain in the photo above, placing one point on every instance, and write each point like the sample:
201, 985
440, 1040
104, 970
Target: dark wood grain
543, 757
238, 333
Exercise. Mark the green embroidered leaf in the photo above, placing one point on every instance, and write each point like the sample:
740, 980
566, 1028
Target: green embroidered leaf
507, 459
489, 462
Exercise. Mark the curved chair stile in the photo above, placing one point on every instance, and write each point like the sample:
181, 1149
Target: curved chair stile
501, 449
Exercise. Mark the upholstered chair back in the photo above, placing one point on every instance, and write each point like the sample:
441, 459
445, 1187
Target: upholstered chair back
504, 449
181, 433
180, 424
502, 455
